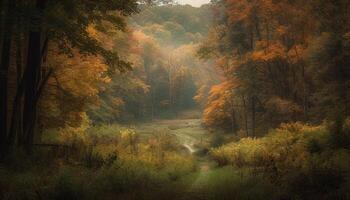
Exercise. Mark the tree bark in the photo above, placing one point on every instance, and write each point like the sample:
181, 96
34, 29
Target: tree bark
1, 21
5, 64
16, 116
32, 79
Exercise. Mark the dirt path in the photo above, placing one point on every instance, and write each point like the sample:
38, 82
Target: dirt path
189, 132
191, 136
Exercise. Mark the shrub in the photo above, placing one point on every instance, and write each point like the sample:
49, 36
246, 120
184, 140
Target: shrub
217, 140
304, 159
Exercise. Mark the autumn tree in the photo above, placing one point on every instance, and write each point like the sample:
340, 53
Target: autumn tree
263, 45
62, 23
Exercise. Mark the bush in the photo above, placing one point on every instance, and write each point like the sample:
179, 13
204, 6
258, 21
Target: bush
217, 140
298, 157
105, 162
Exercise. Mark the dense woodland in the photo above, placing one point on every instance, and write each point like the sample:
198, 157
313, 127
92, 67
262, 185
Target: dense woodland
284, 61
150, 99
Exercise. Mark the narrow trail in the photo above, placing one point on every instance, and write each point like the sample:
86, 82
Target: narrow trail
189, 132
187, 127
193, 137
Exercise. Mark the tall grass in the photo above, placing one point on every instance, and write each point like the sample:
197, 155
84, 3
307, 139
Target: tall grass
106, 162
302, 160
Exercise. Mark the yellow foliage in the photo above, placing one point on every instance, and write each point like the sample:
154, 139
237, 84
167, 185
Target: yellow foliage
160, 150
71, 135
76, 79
282, 150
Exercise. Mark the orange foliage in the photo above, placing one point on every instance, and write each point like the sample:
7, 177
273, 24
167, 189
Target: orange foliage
272, 52
76, 80
219, 109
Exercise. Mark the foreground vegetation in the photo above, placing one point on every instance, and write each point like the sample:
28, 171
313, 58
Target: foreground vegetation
295, 161
105, 162
303, 162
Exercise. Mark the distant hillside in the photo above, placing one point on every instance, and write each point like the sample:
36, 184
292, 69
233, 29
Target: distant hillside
180, 23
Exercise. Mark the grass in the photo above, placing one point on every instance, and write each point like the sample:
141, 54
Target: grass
219, 184
230, 183
148, 161
112, 162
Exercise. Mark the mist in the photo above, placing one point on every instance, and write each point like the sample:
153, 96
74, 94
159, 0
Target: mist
175, 100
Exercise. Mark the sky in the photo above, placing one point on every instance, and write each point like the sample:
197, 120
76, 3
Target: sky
195, 3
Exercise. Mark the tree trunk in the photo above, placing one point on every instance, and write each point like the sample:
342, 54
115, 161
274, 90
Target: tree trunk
16, 117
32, 79
251, 39
233, 121
5, 64
245, 115
1, 21
152, 103
233, 115
304, 93
33, 66
253, 116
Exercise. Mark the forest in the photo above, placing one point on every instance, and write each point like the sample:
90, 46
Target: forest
159, 99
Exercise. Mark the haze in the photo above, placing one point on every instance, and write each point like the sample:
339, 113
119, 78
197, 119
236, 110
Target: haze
195, 3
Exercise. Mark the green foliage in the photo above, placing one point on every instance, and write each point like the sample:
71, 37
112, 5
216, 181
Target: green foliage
175, 24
